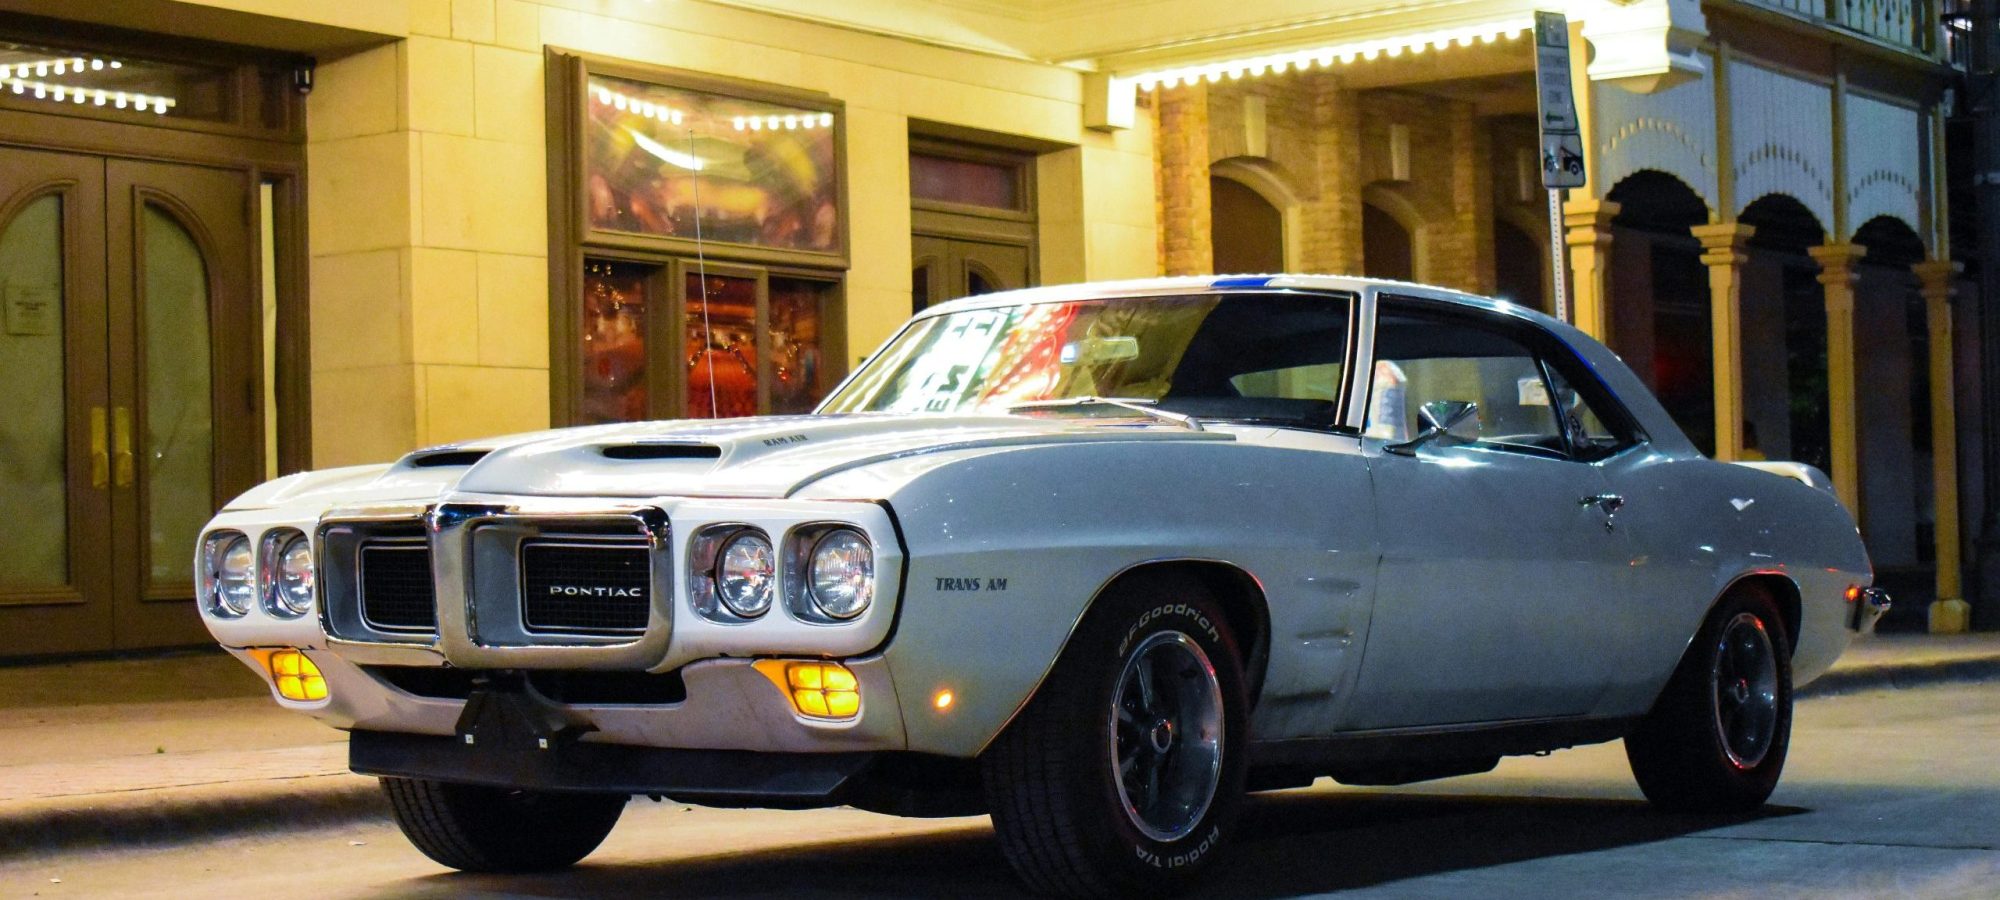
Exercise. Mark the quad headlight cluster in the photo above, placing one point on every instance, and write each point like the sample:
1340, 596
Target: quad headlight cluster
823, 573
278, 572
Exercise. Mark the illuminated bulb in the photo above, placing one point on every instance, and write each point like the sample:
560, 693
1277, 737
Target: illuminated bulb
120, 100
96, 65
61, 67
41, 92
791, 123
139, 103
99, 100
59, 93
19, 87
41, 69
774, 123
674, 116
826, 119
1325, 58
618, 101
76, 63
943, 700
77, 96
756, 124
738, 122
117, 65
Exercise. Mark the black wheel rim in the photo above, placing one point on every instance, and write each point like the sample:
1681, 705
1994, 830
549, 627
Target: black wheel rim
1167, 727
1745, 682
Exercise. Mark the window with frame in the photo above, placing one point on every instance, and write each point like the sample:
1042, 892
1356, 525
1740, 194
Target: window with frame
1525, 404
699, 229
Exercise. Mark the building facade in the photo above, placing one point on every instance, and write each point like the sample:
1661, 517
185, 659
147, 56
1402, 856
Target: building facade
246, 237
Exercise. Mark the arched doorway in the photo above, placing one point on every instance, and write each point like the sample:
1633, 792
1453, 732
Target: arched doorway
1248, 231
1519, 265
1660, 310
1784, 335
1387, 249
1893, 411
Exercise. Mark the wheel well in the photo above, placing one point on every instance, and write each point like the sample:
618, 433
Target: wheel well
1242, 600
1783, 592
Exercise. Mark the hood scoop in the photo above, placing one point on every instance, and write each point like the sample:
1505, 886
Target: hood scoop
444, 458
661, 450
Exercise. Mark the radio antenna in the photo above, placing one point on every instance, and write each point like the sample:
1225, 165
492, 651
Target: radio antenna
701, 269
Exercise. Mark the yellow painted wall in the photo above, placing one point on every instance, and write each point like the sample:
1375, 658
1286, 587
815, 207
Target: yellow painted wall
428, 210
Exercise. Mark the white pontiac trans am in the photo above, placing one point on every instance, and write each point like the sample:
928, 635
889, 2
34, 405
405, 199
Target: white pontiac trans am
1096, 560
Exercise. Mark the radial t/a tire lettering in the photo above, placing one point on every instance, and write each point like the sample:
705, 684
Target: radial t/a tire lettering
1716, 739
474, 828
1125, 772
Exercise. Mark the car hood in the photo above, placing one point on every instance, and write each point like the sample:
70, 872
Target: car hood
766, 457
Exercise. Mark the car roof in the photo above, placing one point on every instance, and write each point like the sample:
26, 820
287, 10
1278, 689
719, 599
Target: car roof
1187, 284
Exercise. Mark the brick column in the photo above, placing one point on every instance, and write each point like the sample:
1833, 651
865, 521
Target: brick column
1950, 614
1471, 201
1187, 244
1724, 251
1332, 242
1589, 243
1837, 262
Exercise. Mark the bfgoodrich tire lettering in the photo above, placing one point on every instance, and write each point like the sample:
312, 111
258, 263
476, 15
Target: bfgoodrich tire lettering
486, 829
1716, 739
1067, 784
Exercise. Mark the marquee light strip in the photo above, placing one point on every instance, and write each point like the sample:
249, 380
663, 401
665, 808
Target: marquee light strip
60, 93
1325, 57
43, 68
628, 103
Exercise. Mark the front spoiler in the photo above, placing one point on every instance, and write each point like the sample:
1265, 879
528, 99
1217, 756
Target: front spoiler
730, 778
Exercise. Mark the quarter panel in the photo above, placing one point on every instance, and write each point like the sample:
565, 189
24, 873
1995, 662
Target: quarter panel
1007, 549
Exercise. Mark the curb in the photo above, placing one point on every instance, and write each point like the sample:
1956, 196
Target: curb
184, 814
1895, 676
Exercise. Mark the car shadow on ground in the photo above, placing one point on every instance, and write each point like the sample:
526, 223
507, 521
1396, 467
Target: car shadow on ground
1294, 843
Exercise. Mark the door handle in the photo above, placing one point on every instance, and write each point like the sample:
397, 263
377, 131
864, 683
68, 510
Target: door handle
121, 439
1609, 504
100, 455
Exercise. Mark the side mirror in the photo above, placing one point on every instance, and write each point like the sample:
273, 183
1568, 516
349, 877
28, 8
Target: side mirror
1440, 418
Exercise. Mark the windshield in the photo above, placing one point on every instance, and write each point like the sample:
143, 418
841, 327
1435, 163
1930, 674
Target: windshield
1270, 356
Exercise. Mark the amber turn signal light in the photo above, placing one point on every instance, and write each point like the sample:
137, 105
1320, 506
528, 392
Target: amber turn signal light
817, 690
295, 675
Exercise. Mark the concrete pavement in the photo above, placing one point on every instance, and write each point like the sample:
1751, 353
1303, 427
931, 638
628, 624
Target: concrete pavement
168, 748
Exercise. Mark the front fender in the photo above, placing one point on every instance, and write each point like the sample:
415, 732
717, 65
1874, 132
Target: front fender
1006, 550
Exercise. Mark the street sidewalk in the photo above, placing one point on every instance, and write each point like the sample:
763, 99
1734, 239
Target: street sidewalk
175, 747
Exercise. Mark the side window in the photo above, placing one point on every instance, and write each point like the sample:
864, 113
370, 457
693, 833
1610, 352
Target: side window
1422, 358
1589, 437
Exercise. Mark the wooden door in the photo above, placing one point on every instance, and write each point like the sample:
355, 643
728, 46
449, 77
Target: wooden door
55, 467
187, 415
947, 268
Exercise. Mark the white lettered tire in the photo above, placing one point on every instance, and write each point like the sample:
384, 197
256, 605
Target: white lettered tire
1125, 773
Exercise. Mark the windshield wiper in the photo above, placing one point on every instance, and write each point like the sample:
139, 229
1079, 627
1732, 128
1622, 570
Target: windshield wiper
1143, 407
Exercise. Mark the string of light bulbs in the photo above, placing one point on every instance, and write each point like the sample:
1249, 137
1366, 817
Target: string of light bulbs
1326, 57
29, 78
624, 102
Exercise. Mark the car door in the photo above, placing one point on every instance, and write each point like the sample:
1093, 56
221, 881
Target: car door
1498, 544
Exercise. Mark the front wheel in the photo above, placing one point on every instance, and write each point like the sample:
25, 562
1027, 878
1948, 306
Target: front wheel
1716, 740
1124, 773
474, 828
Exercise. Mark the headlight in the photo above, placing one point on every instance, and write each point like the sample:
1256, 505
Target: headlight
288, 574
841, 574
744, 574
228, 574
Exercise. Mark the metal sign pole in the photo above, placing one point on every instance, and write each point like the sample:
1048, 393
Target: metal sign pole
1557, 263
1562, 139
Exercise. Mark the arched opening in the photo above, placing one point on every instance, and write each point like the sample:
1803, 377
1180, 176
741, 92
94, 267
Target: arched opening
1892, 356
1660, 314
1248, 231
1519, 265
1784, 335
1387, 249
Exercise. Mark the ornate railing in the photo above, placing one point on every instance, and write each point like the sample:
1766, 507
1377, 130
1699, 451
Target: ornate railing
1910, 24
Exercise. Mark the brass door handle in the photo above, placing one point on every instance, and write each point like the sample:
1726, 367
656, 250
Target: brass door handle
121, 418
100, 457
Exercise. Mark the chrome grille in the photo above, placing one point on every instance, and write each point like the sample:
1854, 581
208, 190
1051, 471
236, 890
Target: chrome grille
589, 587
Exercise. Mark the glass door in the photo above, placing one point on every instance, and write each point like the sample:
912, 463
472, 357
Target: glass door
55, 461
187, 412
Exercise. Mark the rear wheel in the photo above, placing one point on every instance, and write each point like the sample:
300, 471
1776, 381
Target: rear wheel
1717, 738
486, 829
1125, 772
